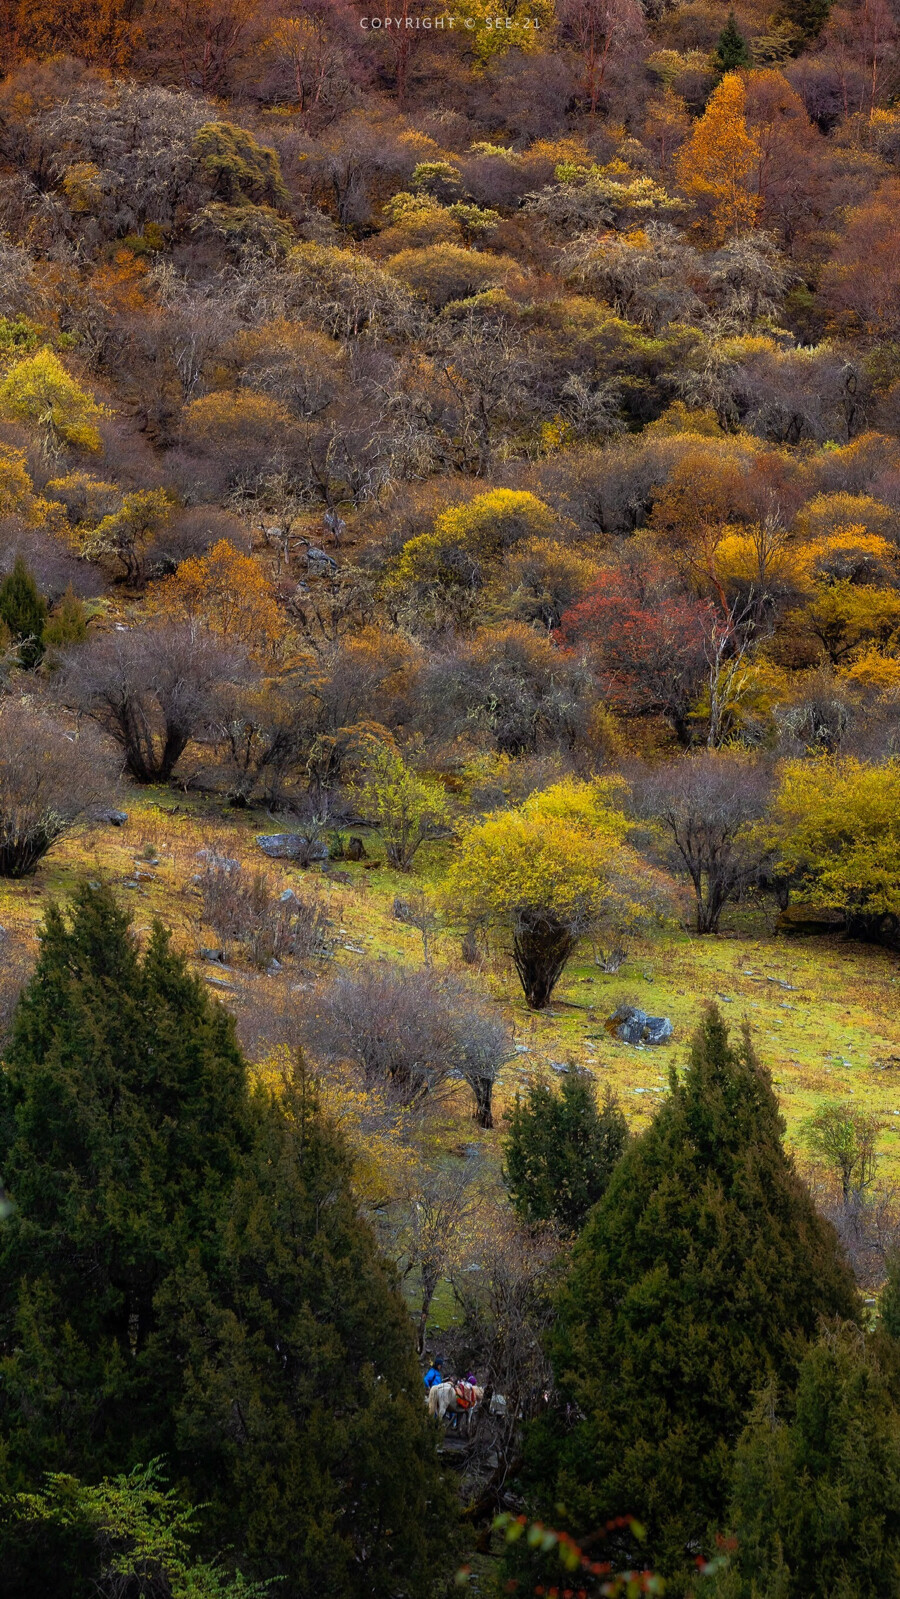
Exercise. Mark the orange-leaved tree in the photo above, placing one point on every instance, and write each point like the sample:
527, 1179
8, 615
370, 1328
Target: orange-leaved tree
717, 165
229, 592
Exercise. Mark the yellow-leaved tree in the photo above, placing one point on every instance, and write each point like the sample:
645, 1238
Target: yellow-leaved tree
407, 808
39, 390
515, 25
17, 496
546, 874
718, 164
837, 824
442, 574
124, 535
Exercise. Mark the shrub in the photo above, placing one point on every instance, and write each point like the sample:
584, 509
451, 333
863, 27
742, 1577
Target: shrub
411, 1031
247, 909
49, 779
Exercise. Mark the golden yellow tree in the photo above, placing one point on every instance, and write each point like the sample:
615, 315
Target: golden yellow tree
547, 873
229, 592
717, 165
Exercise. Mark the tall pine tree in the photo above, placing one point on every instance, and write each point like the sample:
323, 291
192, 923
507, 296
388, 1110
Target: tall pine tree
184, 1275
701, 1274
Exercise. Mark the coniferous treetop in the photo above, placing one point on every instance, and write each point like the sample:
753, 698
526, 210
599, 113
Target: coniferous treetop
732, 50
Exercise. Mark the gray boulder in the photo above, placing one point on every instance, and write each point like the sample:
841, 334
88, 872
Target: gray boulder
291, 847
633, 1026
112, 818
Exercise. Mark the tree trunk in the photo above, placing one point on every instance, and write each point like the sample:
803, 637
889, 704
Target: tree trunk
541, 946
483, 1089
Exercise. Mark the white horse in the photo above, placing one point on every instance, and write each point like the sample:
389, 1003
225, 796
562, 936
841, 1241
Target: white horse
453, 1398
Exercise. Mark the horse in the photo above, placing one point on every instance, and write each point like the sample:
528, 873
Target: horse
453, 1398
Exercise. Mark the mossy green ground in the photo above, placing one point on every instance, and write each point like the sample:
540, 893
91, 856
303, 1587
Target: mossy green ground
823, 1012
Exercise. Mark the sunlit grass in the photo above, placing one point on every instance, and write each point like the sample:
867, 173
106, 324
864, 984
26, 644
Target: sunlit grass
823, 1012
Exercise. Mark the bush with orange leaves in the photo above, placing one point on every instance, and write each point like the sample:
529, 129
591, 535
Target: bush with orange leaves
230, 593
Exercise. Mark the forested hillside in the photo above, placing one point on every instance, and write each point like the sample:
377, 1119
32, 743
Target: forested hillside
449, 799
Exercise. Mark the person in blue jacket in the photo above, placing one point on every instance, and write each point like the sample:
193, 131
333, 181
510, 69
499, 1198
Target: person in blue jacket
435, 1372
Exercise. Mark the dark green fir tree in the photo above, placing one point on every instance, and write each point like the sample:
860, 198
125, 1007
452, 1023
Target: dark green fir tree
561, 1151
805, 18
24, 612
700, 1276
732, 50
815, 1501
185, 1276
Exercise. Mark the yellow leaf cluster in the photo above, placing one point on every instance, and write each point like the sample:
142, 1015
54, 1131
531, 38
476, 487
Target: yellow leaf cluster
480, 530
494, 29
838, 821
40, 390
17, 496
561, 852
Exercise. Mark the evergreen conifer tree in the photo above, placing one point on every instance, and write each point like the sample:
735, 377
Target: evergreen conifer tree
68, 623
701, 1273
24, 611
731, 50
815, 1502
184, 1275
561, 1151
806, 18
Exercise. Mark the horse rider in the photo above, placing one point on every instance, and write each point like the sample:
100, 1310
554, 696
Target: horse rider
435, 1373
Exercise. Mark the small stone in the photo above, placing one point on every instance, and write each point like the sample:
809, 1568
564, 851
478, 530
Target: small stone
212, 955
273, 968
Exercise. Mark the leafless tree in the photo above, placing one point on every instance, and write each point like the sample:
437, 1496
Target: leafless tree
438, 1211
152, 690
412, 1032
708, 805
50, 777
